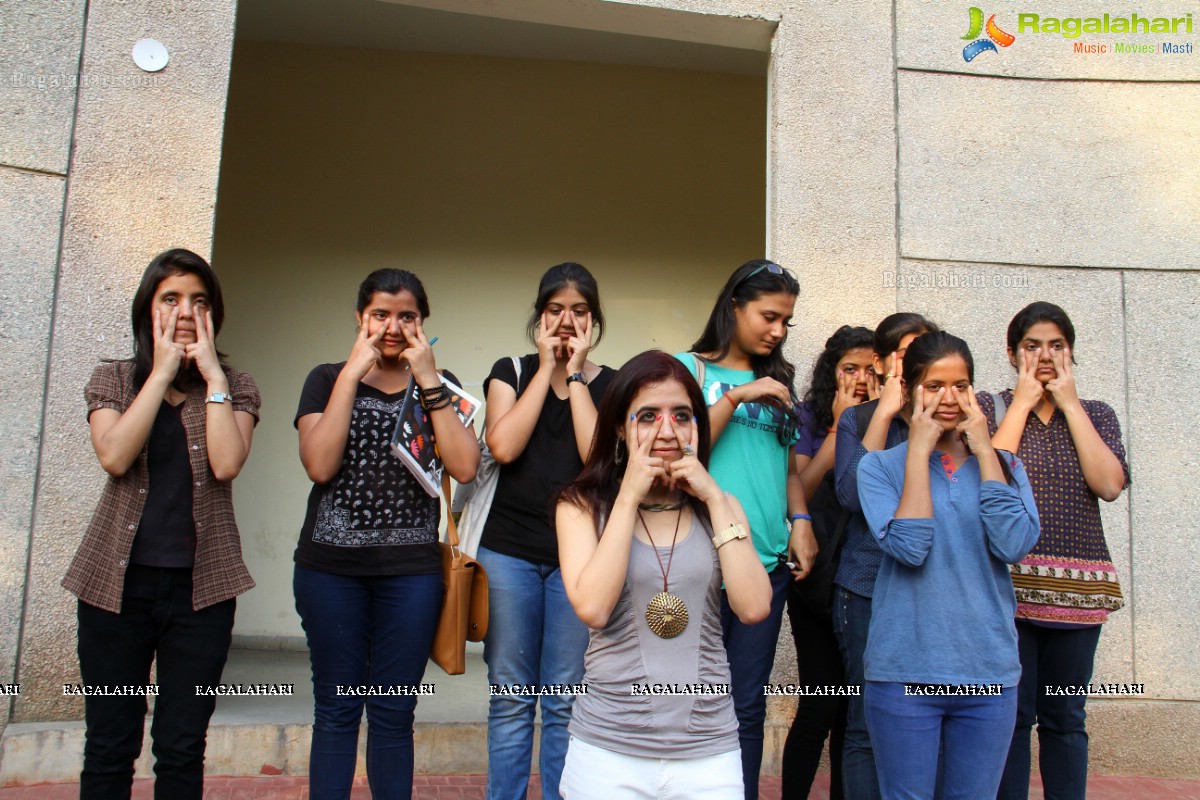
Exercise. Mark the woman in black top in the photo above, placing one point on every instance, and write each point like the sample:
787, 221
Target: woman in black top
539, 428
368, 578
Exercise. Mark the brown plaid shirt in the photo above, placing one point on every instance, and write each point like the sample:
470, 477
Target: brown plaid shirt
97, 574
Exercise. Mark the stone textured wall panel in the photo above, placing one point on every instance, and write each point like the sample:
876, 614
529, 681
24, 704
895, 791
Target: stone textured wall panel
1086, 174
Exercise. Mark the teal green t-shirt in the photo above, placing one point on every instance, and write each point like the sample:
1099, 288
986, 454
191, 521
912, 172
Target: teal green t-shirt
749, 462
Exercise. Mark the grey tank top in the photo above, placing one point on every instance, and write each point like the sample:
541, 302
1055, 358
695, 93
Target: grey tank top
653, 697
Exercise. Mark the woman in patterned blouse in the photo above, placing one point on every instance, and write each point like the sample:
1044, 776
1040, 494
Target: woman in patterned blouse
1067, 585
368, 579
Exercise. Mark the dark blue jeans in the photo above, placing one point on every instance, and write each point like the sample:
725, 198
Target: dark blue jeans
908, 731
365, 632
1051, 657
851, 621
751, 653
156, 623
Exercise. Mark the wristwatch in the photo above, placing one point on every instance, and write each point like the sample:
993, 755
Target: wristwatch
734, 531
217, 397
578, 376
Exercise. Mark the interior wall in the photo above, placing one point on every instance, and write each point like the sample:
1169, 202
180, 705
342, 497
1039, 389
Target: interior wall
477, 174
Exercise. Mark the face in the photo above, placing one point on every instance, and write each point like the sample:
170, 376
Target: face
945, 372
397, 314
858, 363
569, 306
763, 323
1039, 344
670, 401
885, 366
187, 293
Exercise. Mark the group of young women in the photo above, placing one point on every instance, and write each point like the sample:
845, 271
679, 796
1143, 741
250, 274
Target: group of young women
649, 526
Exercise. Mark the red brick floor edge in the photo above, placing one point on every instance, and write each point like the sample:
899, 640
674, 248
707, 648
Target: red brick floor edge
471, 787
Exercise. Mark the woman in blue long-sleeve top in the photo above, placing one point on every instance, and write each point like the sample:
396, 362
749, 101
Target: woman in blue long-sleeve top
949, 513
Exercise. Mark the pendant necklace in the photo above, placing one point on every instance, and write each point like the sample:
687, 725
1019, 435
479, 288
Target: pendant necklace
666, 613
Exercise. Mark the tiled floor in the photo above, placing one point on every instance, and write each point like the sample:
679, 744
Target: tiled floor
471, 787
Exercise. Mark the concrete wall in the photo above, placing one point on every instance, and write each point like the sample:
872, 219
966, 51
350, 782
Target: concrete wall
142, 177
477, 174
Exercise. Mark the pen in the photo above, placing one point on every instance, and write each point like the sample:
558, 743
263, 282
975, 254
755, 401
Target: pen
433, 341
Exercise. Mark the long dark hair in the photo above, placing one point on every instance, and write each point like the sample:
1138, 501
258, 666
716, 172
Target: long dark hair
566, 276
824, 385
392, 281
928, 348
166, 264
596, 487
749, 282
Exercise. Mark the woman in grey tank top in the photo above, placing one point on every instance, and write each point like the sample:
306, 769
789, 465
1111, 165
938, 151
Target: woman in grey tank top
646, 538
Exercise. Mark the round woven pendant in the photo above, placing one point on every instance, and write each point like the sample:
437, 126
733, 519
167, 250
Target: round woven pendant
666, 615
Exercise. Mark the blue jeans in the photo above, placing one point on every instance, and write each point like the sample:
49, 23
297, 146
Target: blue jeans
851, 621
908, 730
1051, 657
533, 639
156, 623
751, 653
365, 632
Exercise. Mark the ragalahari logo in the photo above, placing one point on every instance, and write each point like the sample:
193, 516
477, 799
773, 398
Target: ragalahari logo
995, 36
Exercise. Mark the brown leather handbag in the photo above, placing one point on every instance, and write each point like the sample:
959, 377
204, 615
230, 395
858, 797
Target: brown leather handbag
464, 614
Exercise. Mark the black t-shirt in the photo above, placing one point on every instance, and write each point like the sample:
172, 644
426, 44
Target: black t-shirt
519, 523
166, 534
373, 518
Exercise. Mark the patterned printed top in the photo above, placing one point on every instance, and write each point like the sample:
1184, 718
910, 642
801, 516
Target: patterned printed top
372, 518
1068, 580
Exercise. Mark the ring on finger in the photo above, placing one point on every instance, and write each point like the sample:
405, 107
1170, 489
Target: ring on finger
688, 450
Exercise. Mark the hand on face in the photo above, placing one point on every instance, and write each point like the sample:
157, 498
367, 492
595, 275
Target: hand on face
1062, 387
686, 472
579, 344
891, 397
847, 387
203, 351
549, 343
366, 354
973, 429
643, 469
1029, 389
419, 354
924, 429
168, 355
873, 387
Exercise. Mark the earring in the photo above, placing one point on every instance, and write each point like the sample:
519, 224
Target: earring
618, 455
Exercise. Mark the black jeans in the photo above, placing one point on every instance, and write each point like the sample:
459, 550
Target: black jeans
115, 650
820, 665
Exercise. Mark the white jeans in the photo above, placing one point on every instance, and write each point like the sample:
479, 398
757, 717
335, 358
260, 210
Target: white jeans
593, 773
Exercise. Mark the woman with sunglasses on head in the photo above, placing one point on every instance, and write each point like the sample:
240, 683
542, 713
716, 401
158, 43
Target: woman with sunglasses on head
540, 424
747, 385
161, 563
646, 538
874, 425
368, 574
1067, 586
950, 513
842, 377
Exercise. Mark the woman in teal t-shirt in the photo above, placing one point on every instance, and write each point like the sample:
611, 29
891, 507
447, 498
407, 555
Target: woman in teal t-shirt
747, 385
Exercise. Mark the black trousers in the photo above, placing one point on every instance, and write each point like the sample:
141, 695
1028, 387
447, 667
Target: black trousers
820, 664
156, 623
